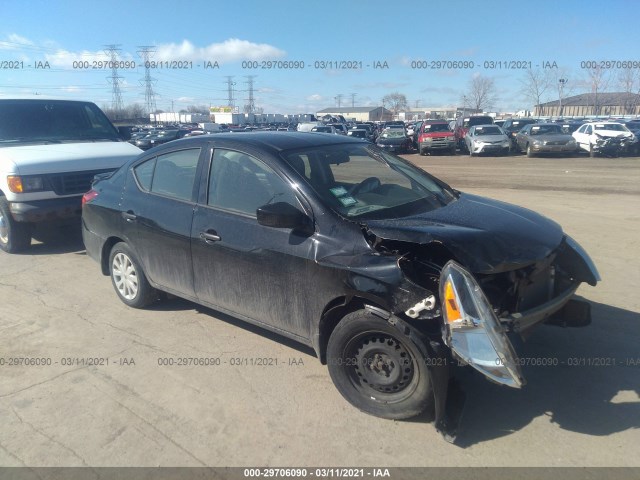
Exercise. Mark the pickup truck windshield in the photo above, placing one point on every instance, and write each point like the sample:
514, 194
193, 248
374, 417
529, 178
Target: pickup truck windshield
53, 121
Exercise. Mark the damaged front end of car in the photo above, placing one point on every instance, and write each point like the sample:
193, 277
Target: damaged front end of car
468, 315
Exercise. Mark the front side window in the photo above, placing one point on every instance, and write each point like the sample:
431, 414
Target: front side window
242, 183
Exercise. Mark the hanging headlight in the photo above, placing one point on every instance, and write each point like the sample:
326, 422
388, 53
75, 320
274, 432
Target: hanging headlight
473, 332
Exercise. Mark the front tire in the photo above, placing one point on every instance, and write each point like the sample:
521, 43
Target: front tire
530, 153
377, 369
14, 236
128, 279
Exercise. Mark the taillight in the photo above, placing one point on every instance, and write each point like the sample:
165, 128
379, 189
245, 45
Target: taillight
90, 195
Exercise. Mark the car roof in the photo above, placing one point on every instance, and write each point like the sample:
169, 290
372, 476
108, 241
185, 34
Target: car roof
272, 140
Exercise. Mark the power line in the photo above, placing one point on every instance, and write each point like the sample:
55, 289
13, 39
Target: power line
230, 85
116, 96
146, 52
251, 106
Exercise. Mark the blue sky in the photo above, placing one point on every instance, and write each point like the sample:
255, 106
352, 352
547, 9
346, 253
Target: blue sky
566, 32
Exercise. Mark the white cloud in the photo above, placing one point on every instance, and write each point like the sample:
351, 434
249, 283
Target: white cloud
65, 58
230, 50
14, 41
315, 98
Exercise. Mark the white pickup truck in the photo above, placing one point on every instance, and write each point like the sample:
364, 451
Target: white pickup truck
50, 151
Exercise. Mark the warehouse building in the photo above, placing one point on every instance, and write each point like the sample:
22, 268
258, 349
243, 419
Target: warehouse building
359, 114
604, 104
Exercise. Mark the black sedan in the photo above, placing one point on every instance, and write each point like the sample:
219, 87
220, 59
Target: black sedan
386, 272
394, 140
164, 136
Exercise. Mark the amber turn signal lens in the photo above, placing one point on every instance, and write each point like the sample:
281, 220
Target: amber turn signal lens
451, 304
15, 183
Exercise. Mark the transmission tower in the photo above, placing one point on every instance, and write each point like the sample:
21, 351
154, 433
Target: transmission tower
353, 99
338, 99
251, 102
116, 96
146, 52
230, 85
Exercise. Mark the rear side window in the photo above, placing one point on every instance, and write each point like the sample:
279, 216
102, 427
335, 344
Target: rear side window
172, 174
144, 173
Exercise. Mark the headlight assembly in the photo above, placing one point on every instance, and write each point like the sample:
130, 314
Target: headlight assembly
473, 332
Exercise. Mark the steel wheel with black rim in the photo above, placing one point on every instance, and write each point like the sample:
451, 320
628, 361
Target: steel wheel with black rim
378, 369
14, 236
128, 279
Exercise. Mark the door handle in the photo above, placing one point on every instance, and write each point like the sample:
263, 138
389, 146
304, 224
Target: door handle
129, 217
210, 237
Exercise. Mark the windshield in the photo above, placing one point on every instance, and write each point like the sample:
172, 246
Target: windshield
56, 121
393, 134
616, 127
470, 122
546, 130
436, 127
362, 182
487, 131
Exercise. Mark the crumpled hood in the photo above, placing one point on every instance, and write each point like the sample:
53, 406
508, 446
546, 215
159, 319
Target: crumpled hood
486, 235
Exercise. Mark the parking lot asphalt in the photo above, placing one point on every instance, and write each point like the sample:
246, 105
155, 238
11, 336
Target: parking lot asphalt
111, 397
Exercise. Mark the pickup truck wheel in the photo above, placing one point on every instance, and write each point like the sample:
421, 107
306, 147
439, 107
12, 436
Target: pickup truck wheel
377, 369
14, 236
128, 279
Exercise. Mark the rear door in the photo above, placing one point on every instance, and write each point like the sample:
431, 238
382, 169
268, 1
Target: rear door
160, 210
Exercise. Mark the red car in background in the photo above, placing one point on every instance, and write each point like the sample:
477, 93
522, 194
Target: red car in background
436, 135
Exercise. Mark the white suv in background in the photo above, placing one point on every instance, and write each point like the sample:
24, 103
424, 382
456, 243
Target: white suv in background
50, 150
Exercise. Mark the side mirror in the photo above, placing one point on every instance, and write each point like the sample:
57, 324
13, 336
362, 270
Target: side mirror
284, 215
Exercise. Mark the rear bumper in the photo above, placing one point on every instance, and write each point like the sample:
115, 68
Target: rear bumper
54, 209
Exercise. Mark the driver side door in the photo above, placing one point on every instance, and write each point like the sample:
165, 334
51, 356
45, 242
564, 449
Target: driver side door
240, 267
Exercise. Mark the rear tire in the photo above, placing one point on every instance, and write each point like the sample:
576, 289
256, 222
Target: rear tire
14, 236
128, 279
377, 369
